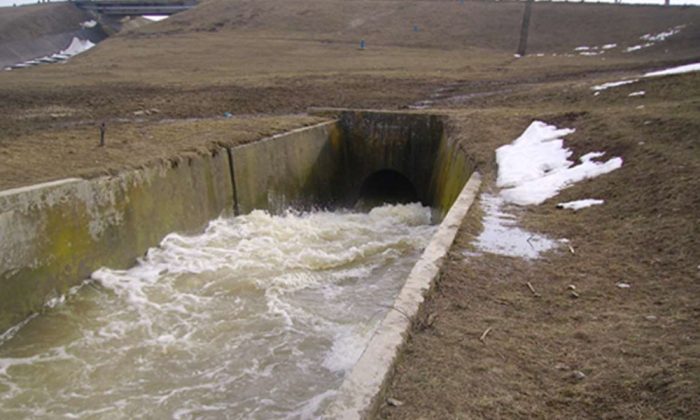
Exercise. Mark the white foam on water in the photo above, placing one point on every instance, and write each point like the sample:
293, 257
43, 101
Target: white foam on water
259, 316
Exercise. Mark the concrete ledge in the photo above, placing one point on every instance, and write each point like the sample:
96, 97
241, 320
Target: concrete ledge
358, 395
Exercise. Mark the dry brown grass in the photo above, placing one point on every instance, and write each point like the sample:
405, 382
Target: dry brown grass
637, 347
74, 151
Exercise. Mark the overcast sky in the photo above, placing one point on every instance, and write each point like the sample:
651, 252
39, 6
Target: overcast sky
696, 2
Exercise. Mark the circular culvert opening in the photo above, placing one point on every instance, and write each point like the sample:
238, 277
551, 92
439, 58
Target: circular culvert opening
386, 186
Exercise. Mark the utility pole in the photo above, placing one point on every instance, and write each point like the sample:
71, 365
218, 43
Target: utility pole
522, 47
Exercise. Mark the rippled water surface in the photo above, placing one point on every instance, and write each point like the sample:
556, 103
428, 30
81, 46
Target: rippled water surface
259, 317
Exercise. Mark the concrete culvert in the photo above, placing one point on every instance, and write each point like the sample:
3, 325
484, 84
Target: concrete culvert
386, 186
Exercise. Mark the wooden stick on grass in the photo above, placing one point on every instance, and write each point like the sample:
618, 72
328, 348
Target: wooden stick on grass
483, 336
532, 289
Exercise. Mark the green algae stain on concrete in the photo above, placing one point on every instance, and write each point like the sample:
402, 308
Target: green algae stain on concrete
293, 169
56, 234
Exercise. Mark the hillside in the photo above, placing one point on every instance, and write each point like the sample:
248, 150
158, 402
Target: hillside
443, 24
268, 56
28, 32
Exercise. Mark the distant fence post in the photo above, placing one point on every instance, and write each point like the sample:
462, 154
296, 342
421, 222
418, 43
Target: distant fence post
522, 46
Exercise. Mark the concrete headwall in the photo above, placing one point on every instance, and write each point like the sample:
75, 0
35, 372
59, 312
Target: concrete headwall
54, 235
326, 165
414, 145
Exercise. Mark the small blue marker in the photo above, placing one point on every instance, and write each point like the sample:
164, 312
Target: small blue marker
415, 28
362, 44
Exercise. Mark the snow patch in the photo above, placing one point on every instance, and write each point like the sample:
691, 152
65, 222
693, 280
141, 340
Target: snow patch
580, 204
156, 18
662, 36
609, 85
688, 68
88, 24
77, 46
595, 50
651, 40
638, 93
502, 236
535, 167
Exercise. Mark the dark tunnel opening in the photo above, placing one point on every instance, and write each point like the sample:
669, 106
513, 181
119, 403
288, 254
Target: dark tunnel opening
386, 187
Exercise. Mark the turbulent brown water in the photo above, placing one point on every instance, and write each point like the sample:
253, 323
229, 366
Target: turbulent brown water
259, 317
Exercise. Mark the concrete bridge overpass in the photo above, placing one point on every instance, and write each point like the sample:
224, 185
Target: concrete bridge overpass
135, 7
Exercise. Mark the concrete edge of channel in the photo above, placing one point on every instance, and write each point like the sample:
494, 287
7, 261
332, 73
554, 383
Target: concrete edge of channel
357, 396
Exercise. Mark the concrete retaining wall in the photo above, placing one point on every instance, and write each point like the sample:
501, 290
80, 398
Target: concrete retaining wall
414, 145
54, 235
326, 165
296, 169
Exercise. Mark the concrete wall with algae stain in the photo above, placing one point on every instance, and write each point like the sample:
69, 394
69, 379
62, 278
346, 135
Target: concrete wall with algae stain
414, 145
297, 169
327, 164
56, 234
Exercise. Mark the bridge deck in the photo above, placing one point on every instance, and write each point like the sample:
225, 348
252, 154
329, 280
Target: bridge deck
135, 8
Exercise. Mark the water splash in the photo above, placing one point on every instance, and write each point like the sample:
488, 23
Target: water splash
260, 316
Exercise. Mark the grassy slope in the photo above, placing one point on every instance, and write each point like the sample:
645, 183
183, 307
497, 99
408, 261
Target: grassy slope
28, 22
637, 347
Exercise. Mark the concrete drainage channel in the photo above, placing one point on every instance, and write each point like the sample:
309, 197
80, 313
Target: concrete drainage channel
58, 233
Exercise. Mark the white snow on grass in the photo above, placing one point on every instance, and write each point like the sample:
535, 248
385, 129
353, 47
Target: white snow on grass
580, 204
89, 24
651, 40
638, 47
535, 167
77, 46
662, 36
688, 68
156, 18
531, 169
609, 85
501, 234
585, 50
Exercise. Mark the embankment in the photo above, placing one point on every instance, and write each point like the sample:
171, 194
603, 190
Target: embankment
28, 32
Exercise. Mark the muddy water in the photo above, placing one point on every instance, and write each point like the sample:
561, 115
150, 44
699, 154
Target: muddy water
259, 317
